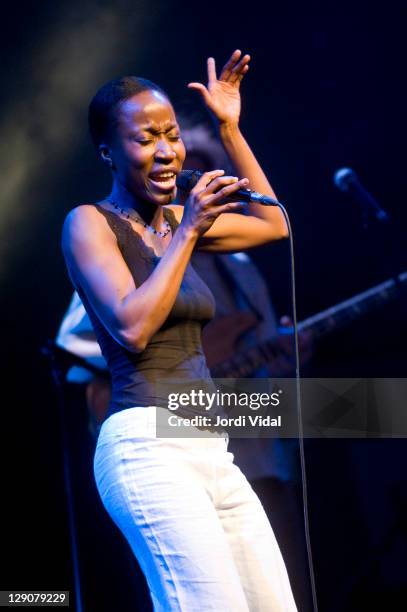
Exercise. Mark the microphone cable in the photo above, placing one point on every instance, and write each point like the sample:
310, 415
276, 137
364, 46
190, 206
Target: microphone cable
299, 414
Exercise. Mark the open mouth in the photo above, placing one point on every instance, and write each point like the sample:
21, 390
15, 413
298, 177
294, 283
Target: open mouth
163, 180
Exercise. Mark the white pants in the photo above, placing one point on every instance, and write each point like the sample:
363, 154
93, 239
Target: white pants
191, 518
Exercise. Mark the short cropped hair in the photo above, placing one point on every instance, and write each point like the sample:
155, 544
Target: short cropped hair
103, 108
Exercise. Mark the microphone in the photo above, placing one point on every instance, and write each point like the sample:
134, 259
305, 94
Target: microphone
187, 179
347, 180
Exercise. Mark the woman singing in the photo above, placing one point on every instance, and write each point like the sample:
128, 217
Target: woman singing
195, 525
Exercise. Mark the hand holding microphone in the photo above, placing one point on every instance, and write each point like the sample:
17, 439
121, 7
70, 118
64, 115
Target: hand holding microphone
187, 179
210, 194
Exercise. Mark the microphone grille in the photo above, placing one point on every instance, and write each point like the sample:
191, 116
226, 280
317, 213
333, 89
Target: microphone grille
187, 179
344, 177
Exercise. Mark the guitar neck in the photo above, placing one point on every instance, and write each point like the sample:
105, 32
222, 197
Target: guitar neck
347, 311
243, 364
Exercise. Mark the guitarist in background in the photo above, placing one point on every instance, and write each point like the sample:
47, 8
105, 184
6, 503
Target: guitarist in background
244, 318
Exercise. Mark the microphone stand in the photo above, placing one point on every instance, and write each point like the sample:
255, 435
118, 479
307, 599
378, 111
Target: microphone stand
60, 361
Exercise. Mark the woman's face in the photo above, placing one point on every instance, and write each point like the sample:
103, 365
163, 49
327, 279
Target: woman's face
146, 150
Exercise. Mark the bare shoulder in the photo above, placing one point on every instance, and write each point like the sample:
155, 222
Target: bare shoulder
84, 223
81, 215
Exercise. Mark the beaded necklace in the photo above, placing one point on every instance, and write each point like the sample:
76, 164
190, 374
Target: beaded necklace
161, 234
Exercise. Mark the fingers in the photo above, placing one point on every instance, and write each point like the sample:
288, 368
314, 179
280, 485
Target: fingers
227, 68
206, 179
235, 68
213, 187
242, 73
201, 88
226, 185
240, 69
230, 207
211, 70
221, 197
198, 86
233, 72
209, 198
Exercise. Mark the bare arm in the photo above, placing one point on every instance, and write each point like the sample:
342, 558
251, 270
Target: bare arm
262, 223
132, 315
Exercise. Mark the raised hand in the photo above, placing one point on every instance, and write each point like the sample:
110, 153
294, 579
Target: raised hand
222, 96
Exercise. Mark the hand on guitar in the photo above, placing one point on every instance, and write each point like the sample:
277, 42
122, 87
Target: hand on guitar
284, 363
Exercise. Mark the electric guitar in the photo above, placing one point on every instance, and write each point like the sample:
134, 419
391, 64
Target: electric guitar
220, 337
